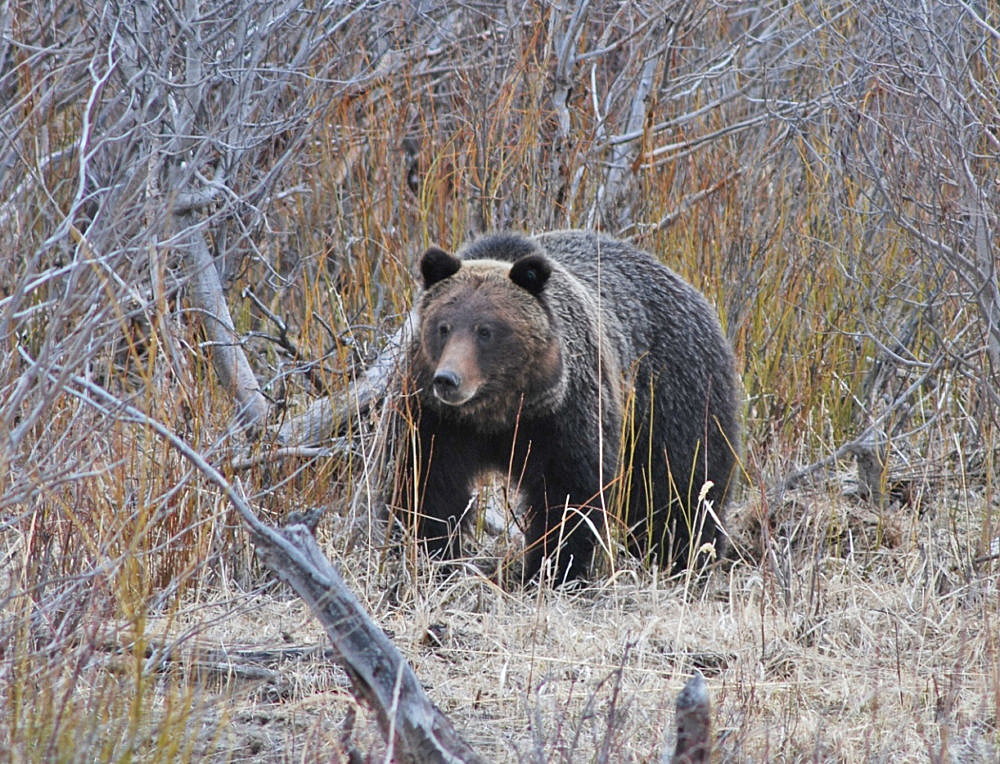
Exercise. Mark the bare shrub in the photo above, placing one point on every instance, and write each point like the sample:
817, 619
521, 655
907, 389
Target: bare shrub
211, 211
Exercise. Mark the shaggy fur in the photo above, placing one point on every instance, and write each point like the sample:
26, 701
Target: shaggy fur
584, 370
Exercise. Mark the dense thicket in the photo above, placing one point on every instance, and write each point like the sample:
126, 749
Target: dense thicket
211, 209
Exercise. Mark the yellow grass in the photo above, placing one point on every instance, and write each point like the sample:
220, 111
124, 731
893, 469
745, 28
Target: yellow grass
132, 609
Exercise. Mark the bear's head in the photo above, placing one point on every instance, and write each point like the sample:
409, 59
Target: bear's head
488, 349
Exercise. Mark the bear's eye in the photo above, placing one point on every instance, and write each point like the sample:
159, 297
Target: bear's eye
484, 333
444, 330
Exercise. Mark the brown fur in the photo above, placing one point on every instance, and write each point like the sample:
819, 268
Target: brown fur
527, 352
522, 362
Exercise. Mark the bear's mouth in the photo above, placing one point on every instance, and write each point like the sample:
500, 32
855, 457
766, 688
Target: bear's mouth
452, 398
448, 388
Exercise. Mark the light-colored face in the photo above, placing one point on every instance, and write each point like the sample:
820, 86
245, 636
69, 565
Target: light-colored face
467, 342
486, 342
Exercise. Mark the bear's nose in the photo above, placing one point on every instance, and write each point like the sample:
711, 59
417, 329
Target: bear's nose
446, 383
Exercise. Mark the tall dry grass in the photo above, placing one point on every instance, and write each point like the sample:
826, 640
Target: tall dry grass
822, 172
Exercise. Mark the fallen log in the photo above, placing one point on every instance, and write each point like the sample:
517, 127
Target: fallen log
325, 416
414, 728
417, 729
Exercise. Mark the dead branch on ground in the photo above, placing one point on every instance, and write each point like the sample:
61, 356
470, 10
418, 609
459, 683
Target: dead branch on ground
415, 729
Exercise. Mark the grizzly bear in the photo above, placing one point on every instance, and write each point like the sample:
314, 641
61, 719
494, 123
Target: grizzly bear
591, 375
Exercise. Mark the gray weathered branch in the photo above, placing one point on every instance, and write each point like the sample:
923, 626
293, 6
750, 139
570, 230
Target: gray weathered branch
417, 729
229, 360
414, 728
325, 415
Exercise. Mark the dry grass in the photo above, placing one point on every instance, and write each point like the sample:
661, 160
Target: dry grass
135, 623
848, 635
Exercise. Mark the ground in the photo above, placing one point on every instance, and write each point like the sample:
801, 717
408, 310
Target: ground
843, 632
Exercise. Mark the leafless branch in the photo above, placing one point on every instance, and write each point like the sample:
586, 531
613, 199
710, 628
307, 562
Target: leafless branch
411, 723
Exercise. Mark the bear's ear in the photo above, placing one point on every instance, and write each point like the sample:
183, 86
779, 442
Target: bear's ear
436, 265
531, 273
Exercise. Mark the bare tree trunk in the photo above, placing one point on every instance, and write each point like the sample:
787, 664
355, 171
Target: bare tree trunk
564, 36
228, 359
625, 153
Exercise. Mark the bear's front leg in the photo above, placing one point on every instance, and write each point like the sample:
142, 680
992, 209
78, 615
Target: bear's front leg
561, 529
443, 495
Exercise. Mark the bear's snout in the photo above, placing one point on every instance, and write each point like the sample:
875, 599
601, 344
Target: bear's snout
457, 377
